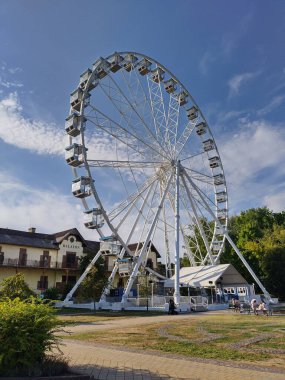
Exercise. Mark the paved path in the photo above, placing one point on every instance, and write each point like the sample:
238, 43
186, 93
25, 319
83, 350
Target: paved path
119, 363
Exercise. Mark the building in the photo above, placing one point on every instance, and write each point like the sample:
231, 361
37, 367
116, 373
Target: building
46, 260
219, 283
52, 260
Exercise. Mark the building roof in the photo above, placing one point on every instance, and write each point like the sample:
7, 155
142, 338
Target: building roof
133, 247
30, 239
45, 241
209, 275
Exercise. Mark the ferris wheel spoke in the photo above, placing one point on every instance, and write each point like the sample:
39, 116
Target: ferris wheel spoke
158, 111
152, 116
119, 132
187, 247
146, 241
199, 176
197, 219
184, 137
193, 257
131, 198
130, 106
202, 153
172, 122
123, 164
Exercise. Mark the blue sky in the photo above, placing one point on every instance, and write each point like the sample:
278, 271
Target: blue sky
230, 56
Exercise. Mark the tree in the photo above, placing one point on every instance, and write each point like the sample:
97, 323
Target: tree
92, 285
15, 287
260, 235
95, 281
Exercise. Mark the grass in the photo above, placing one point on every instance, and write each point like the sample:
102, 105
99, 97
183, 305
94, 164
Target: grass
231, 329
69, 316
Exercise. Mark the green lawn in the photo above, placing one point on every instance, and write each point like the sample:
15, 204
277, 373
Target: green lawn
222, 337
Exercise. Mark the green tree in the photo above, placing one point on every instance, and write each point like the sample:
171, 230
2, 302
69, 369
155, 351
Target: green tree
93, 284
260, 236
15, 287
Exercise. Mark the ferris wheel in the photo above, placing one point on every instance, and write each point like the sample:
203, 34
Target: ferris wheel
145, 164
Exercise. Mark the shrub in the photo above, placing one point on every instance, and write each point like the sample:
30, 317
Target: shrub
15, 287
26, 336
52, 294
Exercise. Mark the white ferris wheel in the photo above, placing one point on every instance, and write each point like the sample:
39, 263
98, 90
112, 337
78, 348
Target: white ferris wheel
145, 165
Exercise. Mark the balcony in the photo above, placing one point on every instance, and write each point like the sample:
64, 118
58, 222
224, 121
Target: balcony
37, 264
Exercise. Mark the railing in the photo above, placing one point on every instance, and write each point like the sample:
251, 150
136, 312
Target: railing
37, 264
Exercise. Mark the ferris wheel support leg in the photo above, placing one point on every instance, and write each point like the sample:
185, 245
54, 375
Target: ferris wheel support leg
81, 278
177, 250
121, 255
267, 295
265, 292
145, 245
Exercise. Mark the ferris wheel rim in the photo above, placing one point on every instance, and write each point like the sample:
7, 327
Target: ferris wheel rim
86, 164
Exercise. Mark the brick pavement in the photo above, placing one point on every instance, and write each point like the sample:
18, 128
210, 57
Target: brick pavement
105, 363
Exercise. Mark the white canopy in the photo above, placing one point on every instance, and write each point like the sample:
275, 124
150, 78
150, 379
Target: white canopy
208, 275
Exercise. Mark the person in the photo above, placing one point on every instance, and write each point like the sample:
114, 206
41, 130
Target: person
172, 307
254, 305
237, 306
262, 307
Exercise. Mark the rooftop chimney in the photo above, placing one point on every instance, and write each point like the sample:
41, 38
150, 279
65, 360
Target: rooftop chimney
32, 230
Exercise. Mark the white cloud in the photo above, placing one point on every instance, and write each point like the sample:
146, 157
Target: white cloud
9, 84
36, 136
254, 162
23, 206
276, 201
275, 103
237, 81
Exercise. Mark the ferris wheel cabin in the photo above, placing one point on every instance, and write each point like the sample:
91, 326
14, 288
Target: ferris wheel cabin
81, 187
221, 196
214, 162
219, 179
115, 62
93, 218
74, 155
170, 85
192, 113
157, 75
73, 124
144, 66
201, 128
208, 145
130, 60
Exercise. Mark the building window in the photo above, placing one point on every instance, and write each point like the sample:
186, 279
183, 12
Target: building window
69, 279
71, 260
43, 283
23, 257
1, 256
45, 259
149, 263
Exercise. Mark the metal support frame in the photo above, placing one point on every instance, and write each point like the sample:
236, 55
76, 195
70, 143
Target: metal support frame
81, 278
267, 295
145, 245
200, 227
121, 255
177, 250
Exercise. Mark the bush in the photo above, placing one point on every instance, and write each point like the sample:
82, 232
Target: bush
27, 336
52, 294
15, 287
